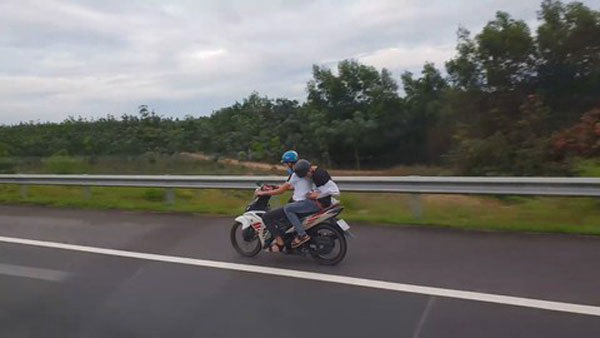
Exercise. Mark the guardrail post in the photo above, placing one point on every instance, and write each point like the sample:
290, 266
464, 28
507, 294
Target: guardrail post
416, 206
170, 196
23, 191
87, 192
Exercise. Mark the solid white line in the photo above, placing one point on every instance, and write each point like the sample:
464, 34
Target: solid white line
30, 272
321, 277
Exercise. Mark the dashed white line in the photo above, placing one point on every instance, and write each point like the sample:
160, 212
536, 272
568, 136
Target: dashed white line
321, 277
31, 272
421, 323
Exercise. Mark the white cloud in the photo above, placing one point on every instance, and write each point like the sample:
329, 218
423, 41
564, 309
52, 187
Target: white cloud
88, 57
408, 58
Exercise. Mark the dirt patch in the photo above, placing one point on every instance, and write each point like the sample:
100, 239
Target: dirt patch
264, 167
278, 168
197, 156
253, 165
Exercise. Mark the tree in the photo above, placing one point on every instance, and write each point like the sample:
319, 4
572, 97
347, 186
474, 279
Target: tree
581, 139
501, 126
464, 71
355, 133
522, 149
501, 58
356, 88
4, 150
569, 65
427, 135
510, 104
506, 52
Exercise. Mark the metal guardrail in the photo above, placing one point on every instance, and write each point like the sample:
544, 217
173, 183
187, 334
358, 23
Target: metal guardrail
543, 186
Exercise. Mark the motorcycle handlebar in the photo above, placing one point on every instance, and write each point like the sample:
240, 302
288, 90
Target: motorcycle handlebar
264, 187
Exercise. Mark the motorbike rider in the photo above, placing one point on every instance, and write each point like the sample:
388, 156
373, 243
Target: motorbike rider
289, 158
302, 186
315, 201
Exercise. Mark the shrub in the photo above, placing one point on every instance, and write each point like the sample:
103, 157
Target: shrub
62, 164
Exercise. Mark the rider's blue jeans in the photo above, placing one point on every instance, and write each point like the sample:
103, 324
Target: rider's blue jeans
301, 207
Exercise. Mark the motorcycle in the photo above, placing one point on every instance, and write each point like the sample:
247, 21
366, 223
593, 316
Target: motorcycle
327, 245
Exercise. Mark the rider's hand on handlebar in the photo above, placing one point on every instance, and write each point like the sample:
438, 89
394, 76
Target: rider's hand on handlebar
260, 193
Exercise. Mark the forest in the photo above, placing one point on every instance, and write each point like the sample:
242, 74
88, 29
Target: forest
512, 101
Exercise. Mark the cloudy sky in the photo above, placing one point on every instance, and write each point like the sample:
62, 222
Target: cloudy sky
90, 58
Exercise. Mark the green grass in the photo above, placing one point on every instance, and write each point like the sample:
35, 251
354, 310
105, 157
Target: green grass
144, 199
559, 215
147, 164
535, 214
588, 168
509, 213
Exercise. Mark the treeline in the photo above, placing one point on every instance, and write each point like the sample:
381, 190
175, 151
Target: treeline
510, 102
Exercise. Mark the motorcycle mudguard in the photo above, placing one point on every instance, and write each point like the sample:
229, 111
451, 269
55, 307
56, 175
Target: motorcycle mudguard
244, 220
249, 218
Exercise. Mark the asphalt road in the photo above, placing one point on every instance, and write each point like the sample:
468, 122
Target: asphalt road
51, 292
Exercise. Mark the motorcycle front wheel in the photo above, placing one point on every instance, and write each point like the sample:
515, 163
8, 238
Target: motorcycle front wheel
245, 241
328, 244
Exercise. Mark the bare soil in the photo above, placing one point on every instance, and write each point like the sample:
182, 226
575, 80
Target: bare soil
278, 168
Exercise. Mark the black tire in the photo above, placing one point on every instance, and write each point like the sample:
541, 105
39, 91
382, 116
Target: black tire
321, 235
249, 248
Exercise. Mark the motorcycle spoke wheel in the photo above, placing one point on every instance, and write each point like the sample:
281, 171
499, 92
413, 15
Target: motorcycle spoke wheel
328, 245
245, 244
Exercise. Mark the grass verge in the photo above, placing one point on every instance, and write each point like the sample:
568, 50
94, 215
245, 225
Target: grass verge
532, 214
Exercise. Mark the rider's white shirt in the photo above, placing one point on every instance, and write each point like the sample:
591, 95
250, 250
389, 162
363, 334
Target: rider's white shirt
302, 186
328, 189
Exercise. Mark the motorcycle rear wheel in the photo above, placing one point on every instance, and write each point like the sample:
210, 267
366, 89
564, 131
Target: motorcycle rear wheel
241, 244
328, 244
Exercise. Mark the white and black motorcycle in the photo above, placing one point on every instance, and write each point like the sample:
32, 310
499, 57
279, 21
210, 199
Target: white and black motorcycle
327, 245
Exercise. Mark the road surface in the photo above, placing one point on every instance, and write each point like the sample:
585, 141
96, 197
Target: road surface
67, 284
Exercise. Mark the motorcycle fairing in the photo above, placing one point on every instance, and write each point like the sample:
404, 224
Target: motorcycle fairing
250, 217
312, 220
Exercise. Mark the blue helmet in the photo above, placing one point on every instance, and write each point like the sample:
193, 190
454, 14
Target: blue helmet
289, 156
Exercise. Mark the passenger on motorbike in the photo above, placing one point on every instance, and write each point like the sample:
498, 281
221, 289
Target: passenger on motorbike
302, 186
315, 201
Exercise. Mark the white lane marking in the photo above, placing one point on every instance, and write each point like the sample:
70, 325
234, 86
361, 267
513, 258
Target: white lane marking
423, 318
321, 277
30, 272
